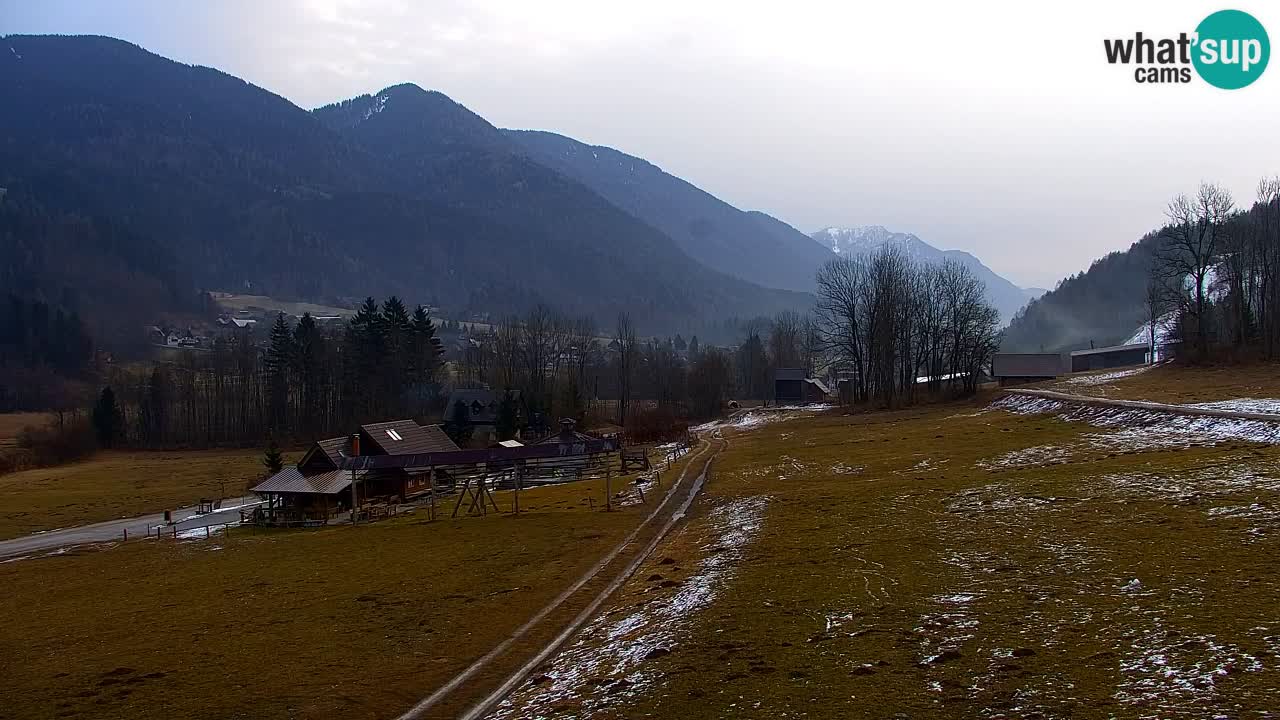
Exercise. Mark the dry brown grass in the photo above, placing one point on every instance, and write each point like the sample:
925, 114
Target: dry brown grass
880, 587
119, 484
12, 423
1180, 384
357, 622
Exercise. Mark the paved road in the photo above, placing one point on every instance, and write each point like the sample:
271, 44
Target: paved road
138, 527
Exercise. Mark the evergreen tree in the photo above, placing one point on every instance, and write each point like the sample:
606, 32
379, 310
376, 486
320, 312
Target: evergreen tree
362, 355
277, 361
396, 334
508, 416
308, 365
694, 348
426, 348
272, 458
107, 420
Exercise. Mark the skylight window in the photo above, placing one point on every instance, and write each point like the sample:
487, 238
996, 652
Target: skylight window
394, 435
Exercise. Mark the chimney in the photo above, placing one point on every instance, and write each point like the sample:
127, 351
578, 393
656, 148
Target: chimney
566, 430
355, 445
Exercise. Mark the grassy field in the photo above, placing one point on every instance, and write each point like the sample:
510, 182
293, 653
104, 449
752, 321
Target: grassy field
12, 423
234, 302
358, 622
949, 562
119, 484
1177, 384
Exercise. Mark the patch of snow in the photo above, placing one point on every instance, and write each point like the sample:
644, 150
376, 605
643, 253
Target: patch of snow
379, 104
593, 673
1266, 406
1150, 428
1103, 378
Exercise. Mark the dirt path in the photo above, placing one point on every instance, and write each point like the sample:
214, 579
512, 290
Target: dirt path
665, 513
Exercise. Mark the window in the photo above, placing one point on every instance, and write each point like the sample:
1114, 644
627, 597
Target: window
394, 435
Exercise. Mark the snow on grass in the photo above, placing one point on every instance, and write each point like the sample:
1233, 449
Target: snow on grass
1145, 429
1101, 378
759, 417
1266, 406
608, 657
1168, 672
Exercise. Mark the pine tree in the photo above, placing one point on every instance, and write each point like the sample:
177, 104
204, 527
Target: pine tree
308, 364
426, 347
107, 421
272, 458
694, 348
277, 360
508, 416
362, 355
396, 330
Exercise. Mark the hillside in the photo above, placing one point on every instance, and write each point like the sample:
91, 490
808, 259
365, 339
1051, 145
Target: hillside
1102, 305
404, 192
749, 245
1004, 295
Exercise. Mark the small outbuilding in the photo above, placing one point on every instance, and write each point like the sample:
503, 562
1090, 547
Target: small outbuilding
1023, 367
1109, 357
793, 386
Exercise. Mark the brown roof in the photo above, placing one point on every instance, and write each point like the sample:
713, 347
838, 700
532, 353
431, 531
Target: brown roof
405, 437
291, 480
334, 448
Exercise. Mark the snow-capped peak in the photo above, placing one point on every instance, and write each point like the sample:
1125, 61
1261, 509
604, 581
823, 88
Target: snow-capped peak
866, 238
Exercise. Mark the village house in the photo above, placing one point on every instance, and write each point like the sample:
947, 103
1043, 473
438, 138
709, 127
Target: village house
317, 487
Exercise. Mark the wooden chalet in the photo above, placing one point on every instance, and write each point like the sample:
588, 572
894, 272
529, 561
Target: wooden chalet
318, 487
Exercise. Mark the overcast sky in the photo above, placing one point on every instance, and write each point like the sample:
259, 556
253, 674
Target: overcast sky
998, 129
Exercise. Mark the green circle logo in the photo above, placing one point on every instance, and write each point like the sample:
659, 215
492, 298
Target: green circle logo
1232, 49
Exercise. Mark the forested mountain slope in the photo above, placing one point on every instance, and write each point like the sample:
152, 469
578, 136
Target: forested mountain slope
749, 245
405, 192
1102, 305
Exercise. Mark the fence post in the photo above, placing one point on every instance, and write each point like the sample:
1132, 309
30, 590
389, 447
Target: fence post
126, 534
608, 489
518, 478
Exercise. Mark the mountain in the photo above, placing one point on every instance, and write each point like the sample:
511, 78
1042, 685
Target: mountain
1004, 295
749, 245
1100, 306
1033, 293
403, 191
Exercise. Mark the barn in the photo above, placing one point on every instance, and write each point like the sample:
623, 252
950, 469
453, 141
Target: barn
1022, 367
793, 386
1109, 357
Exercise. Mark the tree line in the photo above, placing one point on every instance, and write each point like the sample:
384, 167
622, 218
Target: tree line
45, 354
895, 325
1214, 283
305, 383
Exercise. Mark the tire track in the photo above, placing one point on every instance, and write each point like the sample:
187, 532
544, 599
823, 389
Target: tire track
480, 709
